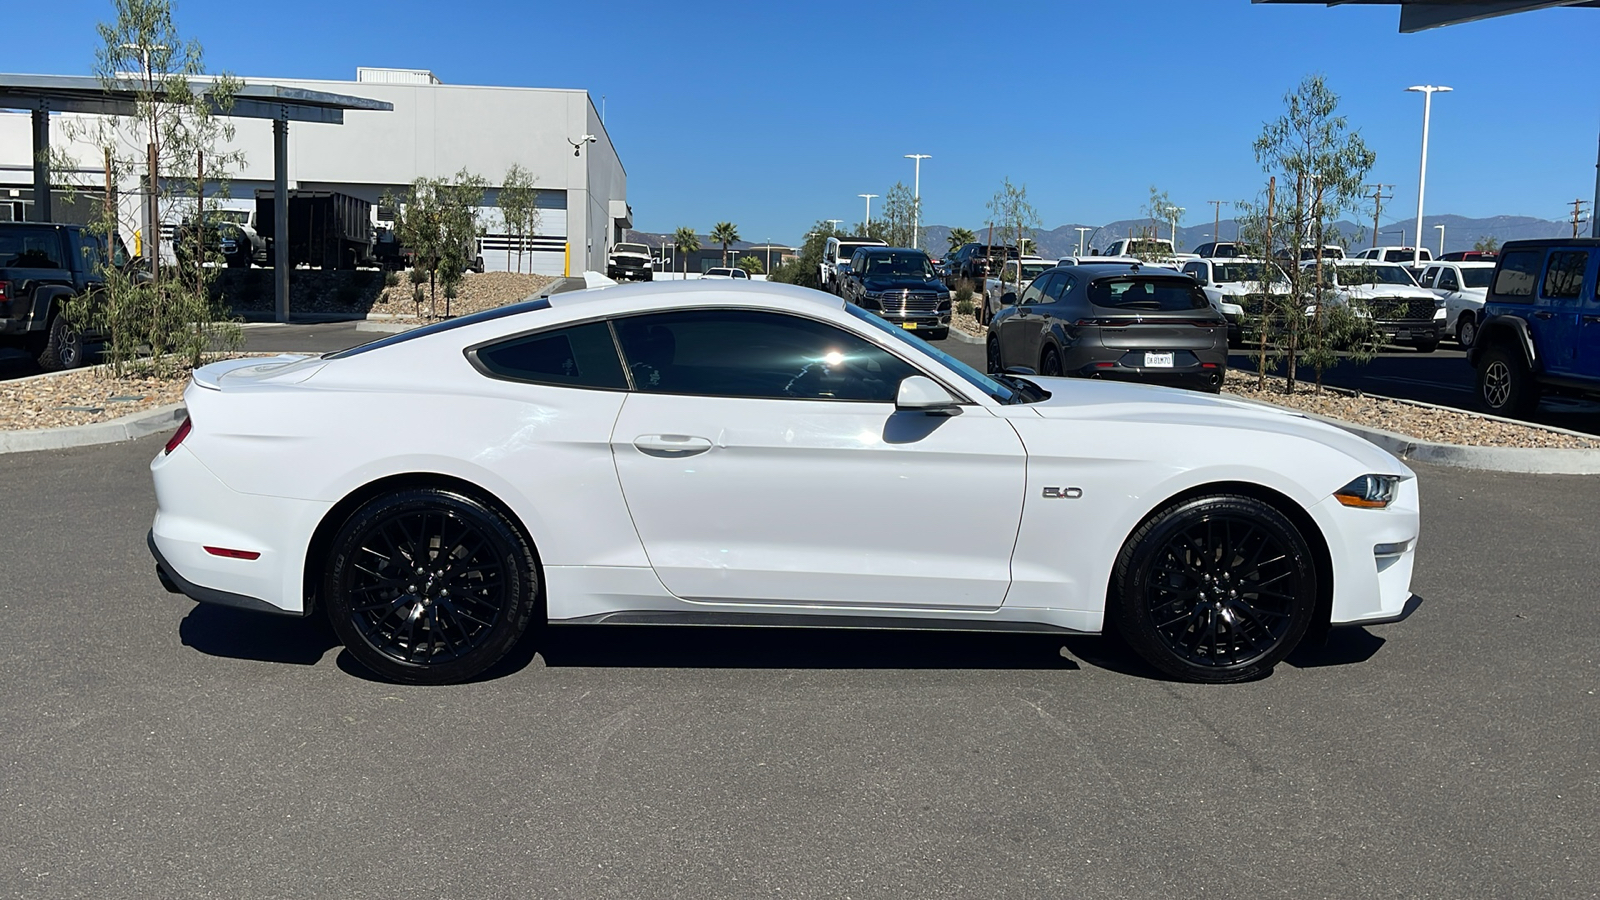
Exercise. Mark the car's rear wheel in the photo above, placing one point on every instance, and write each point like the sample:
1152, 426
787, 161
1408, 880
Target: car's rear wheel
1505, 386
429, 586
1466, 330
1050, 362
63, 346
996, 365
1427, 346
1214, 589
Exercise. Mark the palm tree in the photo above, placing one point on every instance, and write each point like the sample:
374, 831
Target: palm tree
959, 236
725, 233
687, 242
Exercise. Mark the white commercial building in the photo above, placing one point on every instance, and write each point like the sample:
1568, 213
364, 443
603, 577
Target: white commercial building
434, 131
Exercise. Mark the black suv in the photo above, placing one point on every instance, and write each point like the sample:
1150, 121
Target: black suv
1129, 322
975, 262
41, 266
1541, 325
900, 285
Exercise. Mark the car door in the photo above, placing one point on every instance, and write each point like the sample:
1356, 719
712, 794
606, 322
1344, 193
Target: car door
1557, 313
1589, 327
1019, 341
763, 461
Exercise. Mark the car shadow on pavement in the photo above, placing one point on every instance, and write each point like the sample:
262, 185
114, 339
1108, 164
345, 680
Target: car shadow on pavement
241, 634
795, 648
1345, 646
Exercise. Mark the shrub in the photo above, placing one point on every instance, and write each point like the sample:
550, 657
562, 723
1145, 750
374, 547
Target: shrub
391, 279
418, 276
965, 307
963, 291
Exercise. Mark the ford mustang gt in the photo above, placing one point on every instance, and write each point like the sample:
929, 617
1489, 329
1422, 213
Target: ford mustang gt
755, 454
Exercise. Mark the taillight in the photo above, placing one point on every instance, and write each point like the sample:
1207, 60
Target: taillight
5, 291
183, 432
1106, 322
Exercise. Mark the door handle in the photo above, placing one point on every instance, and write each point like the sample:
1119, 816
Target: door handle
1592, 320
671, 445
1544, 315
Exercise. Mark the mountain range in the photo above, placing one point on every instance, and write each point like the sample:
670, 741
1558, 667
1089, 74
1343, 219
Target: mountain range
1460, 233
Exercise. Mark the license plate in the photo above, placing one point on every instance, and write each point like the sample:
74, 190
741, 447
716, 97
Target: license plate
1158, 360
909, 326
1402, 335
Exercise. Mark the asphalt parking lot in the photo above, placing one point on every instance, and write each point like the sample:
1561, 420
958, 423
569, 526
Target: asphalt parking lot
156, 748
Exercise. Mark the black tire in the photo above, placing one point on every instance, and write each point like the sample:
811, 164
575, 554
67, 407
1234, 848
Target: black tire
1505, 386
239, 261
1050, 362
1200, 569
63, 346
1427, 346
1466, 330
388, 574
993, 360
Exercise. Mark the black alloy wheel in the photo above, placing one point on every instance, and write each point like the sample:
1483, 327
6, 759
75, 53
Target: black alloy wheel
995, 364
1505, 386
427, 586
1050, 363
1214, 589
63, 346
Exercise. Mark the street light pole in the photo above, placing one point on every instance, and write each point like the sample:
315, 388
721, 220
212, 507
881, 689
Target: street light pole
1080, 229
916, 196
868, 198
1427, 91
1441, 239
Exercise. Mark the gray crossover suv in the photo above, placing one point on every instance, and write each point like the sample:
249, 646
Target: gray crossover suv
1130, 322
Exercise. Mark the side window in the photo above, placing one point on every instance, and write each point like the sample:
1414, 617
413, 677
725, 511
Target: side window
1448, 281
746, 353
1197, 270
1519, 271
1058, 287
1034, 292
1563, 277
581, 356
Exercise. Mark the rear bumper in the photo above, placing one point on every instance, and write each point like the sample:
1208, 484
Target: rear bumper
177, 584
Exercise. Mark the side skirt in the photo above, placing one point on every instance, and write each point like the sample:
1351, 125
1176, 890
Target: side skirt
727, 619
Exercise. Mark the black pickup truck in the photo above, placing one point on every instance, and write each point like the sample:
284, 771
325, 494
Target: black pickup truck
41, 266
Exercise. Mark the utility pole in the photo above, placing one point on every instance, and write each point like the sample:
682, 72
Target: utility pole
1216, 220
1378, 196
1577, 214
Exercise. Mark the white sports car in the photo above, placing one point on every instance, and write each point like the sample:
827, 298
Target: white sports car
758, 454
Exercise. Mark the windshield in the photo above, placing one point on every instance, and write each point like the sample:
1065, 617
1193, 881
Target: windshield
1032, 270
1147, 293
236, 216
638, 249
911, 265
1149, 247
1374, 275
1477, 278
1230, 273
967, 373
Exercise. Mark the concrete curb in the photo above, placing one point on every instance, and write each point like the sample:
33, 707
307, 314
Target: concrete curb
1518, 460
963, 337
385, 327
126, 428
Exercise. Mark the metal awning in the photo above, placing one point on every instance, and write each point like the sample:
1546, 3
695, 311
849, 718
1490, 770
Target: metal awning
1420, 15
44, 94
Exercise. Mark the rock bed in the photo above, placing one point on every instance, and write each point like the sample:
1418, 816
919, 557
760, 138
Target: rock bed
362, 292
82, 397
1412, 420
476, 293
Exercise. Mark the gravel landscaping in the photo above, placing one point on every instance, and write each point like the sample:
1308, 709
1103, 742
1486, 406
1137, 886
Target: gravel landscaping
81, 397
363, 293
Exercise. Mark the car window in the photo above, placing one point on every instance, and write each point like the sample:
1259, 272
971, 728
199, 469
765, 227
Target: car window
1125, 292
1518, 272
1563, 276
1194, 269
1447, 280
1476, 277
1060, 284
581, 356
1033, 291
30, 248
747, 353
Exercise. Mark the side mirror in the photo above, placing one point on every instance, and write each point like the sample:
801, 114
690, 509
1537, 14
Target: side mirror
1008, 299
919, 393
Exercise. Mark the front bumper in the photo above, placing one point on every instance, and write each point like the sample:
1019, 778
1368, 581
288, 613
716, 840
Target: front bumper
1404, 330
633, 273
1373, 553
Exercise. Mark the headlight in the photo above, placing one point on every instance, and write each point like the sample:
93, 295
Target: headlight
1370, 492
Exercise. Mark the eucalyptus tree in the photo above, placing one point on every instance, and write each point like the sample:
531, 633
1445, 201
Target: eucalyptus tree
519, 209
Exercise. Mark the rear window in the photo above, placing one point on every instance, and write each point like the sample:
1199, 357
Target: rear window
1476, 278
1518, 273
1564, 279
1147, 293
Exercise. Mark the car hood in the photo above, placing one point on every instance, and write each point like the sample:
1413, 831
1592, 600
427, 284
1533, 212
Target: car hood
1094, 400
1373, 291
1243, 288
875, 283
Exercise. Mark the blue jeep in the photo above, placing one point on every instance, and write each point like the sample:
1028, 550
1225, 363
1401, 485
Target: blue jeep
1541, 325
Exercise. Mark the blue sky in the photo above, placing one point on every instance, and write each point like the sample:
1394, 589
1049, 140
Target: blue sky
773, 116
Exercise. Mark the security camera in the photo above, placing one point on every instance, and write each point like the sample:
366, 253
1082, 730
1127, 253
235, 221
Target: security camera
577, 145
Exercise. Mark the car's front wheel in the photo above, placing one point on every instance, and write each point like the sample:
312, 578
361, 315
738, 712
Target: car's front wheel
430, 586
63, 346
1214, 589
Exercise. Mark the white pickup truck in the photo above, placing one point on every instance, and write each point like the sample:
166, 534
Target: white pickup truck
630, 262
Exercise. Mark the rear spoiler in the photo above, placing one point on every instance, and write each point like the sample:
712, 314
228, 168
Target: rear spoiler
210, 377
